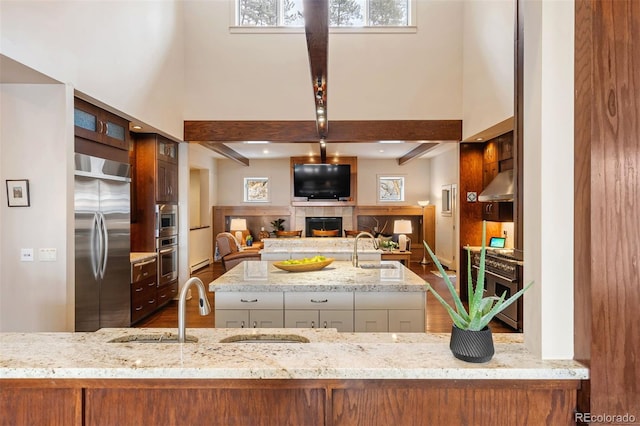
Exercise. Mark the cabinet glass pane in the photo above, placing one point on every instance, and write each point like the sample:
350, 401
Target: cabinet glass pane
115, 131
84, 120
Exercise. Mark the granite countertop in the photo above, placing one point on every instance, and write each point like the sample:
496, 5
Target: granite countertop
141, 256
338, 276
318, 245
328, 355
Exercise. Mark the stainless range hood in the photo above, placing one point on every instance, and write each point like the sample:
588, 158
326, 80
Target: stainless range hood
500, 188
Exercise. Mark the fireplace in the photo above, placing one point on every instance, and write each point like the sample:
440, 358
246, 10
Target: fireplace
322, 223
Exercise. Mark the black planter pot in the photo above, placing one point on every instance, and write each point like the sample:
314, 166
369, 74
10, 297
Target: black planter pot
472, 346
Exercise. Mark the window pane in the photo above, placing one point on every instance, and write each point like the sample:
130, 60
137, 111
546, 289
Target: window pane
388, 12
346, 13
293, 13
257, 12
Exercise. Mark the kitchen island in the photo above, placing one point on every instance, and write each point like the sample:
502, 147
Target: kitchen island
335, 378
382, 296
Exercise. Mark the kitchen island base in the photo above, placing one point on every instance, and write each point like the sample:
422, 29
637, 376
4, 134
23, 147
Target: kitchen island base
277, 401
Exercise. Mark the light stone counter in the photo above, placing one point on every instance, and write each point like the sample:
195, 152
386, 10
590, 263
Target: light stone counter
141, 256
338, 276
328, 355
338, 248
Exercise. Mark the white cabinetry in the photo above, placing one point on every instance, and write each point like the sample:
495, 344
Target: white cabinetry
319, 310
249, 310
390, 312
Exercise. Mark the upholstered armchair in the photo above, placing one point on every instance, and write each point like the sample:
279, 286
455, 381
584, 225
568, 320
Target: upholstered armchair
229, 251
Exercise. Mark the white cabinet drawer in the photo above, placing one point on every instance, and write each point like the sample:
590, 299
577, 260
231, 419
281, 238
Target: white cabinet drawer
254, 300
390, 300
318, 300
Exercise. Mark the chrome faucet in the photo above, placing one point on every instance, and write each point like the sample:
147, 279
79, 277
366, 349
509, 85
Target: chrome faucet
203, 303
354, 258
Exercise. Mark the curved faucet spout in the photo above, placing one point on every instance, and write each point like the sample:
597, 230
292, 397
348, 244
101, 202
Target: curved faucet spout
354, 258
203, 304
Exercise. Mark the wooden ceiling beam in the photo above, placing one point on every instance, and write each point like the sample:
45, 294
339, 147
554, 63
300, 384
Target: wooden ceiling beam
305, 131
416, 152
316, 28
224, 150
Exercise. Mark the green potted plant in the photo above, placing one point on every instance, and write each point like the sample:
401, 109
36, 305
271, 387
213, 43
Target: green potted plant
277, 225
471, 338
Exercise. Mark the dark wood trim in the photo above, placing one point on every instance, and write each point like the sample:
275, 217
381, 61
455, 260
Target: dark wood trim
305, 131
316, 26
224, 150
302, 202
416, 152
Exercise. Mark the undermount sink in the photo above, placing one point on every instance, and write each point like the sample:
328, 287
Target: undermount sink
377, 266
265, 338
152, 338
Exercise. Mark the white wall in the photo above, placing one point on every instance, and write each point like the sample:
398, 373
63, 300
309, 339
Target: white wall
230, 180
125, 54
548, 177
444, 171
488, 68
36, 142
231, 76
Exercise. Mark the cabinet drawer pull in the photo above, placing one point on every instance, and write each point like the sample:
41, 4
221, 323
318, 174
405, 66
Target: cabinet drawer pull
152, 284
139, 308
248, 301
325, 324
313, 324
138, 264
242, 324
255, 324
138, 289
152, 301
319, 301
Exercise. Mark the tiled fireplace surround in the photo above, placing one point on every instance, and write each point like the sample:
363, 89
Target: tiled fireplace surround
301, 213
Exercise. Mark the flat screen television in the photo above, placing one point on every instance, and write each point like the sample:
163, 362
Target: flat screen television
322, 181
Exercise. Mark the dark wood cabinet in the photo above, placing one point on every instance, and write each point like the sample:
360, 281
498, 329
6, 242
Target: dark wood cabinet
497, 211
144, 289
155, 181
166, 293
95, 124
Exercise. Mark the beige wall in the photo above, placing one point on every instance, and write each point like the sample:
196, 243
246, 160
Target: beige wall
231, 76
36, 143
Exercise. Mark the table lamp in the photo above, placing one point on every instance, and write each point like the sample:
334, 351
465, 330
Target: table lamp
237, 226
423, 204
402, 227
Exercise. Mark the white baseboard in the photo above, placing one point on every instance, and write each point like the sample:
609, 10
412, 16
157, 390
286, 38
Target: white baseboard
201, 264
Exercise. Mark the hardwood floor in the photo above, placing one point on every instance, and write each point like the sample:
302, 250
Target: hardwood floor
438, 320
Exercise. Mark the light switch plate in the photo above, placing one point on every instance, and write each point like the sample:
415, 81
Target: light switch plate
26, 255
48, 254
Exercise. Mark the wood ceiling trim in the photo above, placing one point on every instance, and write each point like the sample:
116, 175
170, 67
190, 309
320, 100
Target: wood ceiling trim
305, 131
316, 26
416, 152
224, 150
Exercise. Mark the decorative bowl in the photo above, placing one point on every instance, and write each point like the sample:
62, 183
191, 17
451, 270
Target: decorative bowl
303, 267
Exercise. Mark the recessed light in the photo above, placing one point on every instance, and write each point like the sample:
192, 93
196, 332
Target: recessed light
136, 127
479, 139
391, 142
256, 142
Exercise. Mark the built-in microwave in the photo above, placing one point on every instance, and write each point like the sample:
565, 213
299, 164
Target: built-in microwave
166, 220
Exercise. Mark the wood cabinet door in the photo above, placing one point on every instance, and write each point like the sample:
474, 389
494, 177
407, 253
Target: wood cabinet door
167, 183
98, 125
301, 318
340, 320
371, 320
266, 318
406, 321
232, 318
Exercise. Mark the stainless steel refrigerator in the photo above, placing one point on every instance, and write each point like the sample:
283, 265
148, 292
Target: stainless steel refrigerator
102, 243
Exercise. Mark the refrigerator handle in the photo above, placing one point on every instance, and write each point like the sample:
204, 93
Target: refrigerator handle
96, 244
105, 244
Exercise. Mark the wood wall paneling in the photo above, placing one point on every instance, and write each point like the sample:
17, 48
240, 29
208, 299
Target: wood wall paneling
607, 189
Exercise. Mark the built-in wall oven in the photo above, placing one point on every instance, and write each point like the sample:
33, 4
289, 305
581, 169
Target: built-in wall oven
166, 220
167, 259
501, 277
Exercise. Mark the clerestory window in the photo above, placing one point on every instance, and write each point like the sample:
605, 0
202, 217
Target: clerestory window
342, 13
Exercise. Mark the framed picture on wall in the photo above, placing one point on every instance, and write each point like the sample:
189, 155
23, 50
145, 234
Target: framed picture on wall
390, 188
18, 193
256, 189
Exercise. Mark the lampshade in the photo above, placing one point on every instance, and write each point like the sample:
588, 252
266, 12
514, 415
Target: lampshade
423, 203
238, 225
402, 227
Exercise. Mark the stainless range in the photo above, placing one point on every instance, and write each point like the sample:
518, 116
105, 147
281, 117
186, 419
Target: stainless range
502, 276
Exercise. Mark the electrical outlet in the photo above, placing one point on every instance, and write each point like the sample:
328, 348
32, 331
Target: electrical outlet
47, 254
26, 255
